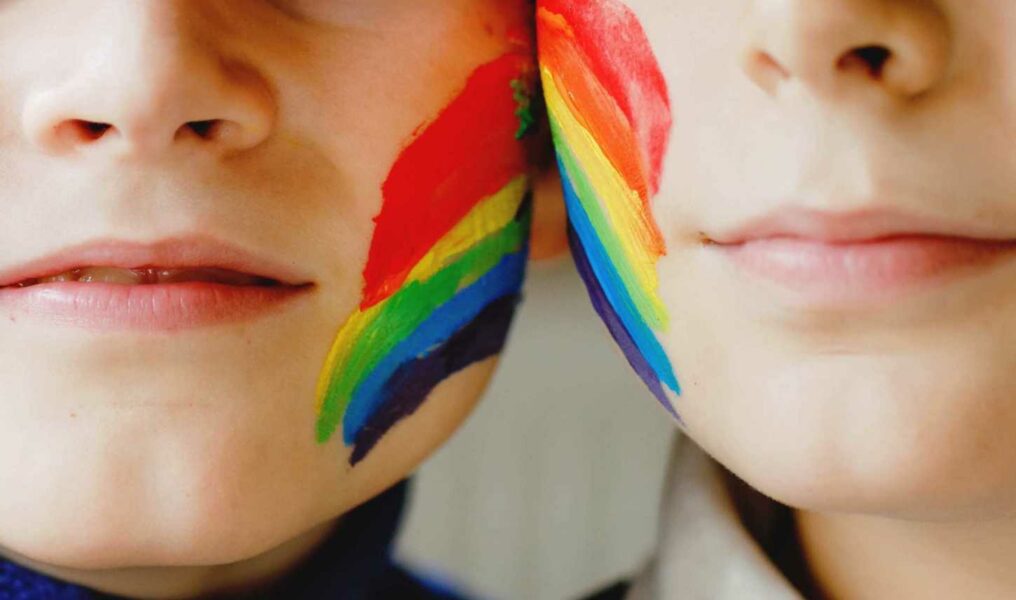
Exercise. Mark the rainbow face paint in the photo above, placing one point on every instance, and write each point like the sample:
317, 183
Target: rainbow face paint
446, 262
610, 116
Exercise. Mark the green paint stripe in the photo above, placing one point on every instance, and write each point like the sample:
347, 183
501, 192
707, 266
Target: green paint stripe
590, 200
407, 309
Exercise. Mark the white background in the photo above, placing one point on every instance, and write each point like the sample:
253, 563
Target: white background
551, 488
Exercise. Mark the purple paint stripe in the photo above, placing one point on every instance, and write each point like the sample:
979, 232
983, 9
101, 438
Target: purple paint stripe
614, 324
413, 382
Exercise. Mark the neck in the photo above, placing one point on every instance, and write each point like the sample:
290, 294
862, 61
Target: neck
190, 582
853, 556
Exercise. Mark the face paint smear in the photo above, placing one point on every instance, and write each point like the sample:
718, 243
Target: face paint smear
610, 116
446, 262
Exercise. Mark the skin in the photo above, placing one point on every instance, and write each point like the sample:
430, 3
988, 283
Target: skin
176, 465
888, 427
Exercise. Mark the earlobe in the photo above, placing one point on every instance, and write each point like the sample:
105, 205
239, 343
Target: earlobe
549, 238
550, 221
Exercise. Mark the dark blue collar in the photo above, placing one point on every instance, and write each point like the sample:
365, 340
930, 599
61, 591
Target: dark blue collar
354, 563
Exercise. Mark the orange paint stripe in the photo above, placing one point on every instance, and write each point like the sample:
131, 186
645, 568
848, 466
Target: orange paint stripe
595, 109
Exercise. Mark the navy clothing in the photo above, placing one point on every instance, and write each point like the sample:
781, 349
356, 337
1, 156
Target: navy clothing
615, 592
354, 563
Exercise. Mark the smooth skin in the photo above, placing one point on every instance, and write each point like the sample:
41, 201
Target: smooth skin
180, 464
890, 425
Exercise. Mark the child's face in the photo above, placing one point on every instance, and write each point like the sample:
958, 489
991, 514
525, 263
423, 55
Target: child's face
829, 263
283, 225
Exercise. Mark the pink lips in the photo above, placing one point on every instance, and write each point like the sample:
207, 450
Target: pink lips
859, 258
250, 286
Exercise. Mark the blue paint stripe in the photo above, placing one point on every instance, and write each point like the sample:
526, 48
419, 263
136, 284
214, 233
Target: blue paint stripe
613, 286
614, 324
502, 280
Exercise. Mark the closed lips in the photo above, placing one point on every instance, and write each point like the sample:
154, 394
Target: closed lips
151, 276
169, 285
855, 259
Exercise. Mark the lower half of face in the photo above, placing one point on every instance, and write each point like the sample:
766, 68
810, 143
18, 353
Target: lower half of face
903, 408
206, 454
808, 254
196, 415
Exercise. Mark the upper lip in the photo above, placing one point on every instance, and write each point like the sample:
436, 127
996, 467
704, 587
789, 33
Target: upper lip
171, 253
855, 226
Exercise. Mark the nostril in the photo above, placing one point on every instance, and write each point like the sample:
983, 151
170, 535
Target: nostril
88, 130
870, 59
204, 129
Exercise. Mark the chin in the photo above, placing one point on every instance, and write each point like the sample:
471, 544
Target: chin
163, 506
169, 487
44, 543
922, 435
160, 485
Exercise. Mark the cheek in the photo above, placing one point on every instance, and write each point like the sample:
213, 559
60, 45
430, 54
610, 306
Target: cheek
445, 265
609, 110
913, 423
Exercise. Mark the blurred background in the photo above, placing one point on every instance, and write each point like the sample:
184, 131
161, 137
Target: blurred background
552, 486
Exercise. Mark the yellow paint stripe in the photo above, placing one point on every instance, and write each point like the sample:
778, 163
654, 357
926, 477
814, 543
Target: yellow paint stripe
486, 218
620, 205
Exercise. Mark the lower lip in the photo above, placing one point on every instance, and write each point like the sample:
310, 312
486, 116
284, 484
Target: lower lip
157, 307
851, 273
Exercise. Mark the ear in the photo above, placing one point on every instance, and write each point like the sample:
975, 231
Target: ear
550, 221
549, 237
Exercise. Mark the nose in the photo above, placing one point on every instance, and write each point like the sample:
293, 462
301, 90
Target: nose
148, 84
838, 48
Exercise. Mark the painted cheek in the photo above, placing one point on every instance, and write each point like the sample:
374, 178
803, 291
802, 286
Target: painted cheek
446, 262
610, 116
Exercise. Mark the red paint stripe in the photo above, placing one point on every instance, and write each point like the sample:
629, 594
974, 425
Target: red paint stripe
597, 111
591, 104
468, 153
617, 50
